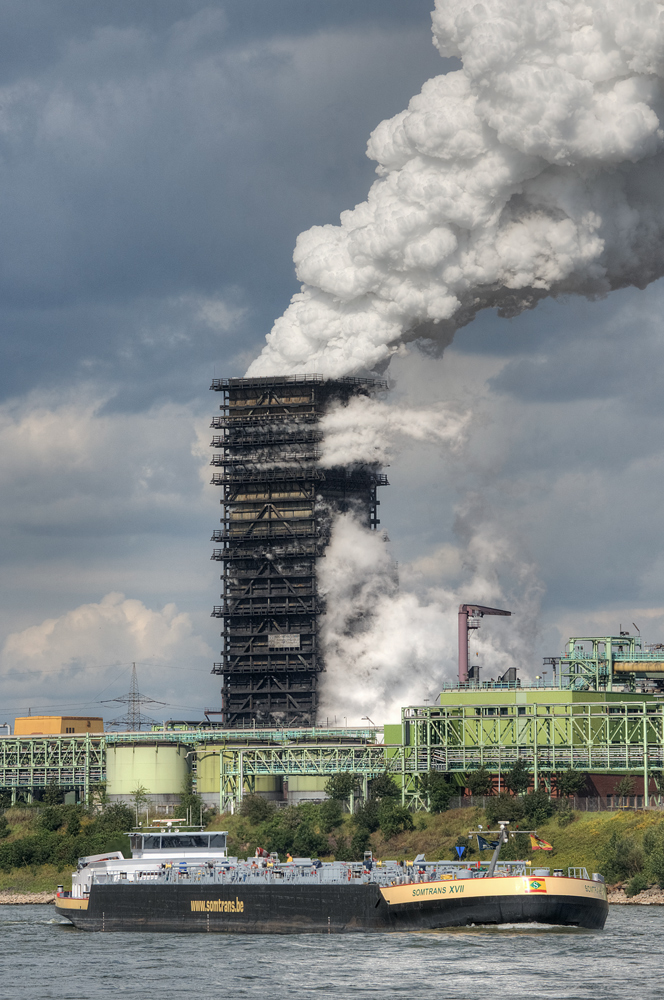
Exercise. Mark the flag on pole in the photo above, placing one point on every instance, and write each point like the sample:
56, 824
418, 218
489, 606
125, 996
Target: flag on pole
539, 845
486, 845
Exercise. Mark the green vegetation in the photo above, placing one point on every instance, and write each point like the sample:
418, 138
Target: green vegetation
479, 782
636, 884
438, 790
192, 808
518, 778
341, 786
40, 844
570, 782
624, 787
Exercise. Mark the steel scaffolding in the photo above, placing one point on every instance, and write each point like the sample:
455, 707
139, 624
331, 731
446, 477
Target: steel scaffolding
596, 663
28, 763
278, 505
599, 737
615, 737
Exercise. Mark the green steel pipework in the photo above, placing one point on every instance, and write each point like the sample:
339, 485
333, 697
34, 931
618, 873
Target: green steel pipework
613, 736
609, 662
247, 735
29, 762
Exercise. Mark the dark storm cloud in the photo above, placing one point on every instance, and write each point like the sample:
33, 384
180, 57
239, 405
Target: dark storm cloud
157, 161
584, 350
155, 154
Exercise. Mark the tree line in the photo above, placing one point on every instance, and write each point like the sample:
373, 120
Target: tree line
64, 833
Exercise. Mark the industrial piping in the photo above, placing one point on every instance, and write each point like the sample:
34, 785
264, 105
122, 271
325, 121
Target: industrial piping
477, 611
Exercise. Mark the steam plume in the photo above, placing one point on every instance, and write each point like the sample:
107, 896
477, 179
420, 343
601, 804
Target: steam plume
367, 430
388, 646
532, 171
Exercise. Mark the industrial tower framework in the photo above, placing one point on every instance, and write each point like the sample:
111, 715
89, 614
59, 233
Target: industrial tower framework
278, 508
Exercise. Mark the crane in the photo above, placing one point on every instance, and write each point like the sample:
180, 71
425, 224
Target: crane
474, 611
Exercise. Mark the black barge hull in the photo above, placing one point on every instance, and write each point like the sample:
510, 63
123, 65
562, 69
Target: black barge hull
336, 908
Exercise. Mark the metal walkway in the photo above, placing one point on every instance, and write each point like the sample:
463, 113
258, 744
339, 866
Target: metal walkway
616, 737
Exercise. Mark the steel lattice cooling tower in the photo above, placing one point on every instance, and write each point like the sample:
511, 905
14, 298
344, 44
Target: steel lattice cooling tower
279, 504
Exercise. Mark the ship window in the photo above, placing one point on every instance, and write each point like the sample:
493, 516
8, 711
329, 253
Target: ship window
217, 840
151, 843
186, 841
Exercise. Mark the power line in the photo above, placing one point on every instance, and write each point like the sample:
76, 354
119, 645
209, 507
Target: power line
134, 719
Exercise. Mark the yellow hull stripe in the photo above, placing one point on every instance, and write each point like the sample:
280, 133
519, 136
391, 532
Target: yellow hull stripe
67, 903
417, 892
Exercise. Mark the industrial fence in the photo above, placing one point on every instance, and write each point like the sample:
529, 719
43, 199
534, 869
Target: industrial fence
582, 803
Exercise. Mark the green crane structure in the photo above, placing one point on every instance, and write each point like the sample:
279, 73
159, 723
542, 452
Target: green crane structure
598, 663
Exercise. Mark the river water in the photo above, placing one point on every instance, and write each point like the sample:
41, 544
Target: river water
42, 958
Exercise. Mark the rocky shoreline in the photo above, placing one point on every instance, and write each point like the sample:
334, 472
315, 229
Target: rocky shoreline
654, 896
13, 898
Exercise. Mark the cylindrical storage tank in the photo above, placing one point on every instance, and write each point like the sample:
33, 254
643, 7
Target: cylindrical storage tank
159, 769
207, 773
270, 786
305, 788
207, 776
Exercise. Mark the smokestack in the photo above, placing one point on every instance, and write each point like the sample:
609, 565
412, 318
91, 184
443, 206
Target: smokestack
463, 644
477, 611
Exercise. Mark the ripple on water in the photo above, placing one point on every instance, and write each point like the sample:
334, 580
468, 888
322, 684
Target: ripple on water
44, 958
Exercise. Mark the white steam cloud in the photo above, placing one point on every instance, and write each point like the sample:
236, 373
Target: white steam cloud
368, 431
386, 647
534, 170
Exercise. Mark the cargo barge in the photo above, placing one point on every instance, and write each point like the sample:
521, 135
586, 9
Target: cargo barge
184, 882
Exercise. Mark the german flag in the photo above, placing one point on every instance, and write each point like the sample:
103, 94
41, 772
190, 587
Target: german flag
539, 845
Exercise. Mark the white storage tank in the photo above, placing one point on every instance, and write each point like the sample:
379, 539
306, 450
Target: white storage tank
160, 769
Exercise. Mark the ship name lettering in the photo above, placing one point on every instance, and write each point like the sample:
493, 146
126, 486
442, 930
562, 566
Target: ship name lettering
437, 890
217, 905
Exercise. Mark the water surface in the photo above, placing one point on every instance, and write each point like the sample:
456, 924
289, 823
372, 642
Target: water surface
42, 958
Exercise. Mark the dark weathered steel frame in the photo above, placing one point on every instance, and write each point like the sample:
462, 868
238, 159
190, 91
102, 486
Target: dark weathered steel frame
278, 504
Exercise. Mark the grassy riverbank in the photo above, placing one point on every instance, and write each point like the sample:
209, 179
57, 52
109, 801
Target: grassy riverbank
623, 846
39, 878
608, 842
41, 844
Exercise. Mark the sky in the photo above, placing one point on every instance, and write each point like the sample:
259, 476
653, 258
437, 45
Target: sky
157, 162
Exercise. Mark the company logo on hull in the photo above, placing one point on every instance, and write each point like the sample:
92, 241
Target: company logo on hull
217, 905
535, 885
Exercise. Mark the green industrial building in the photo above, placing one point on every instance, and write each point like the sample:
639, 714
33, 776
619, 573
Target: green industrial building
603, 733
583, 721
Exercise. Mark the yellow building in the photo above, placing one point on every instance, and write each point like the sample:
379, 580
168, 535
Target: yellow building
46, 725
